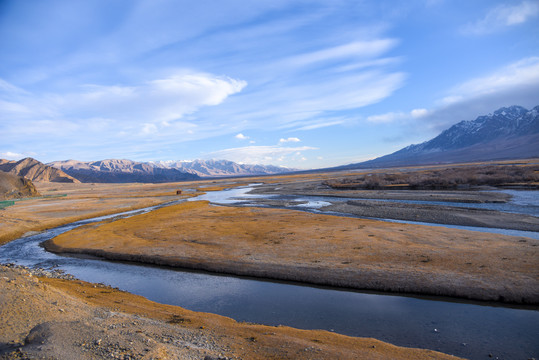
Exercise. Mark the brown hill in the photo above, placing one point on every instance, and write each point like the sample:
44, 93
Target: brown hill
16, 187
35, 171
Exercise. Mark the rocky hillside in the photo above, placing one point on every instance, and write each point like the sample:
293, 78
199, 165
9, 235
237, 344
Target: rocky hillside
16, 187
215, 168
35, 171
508, 133
120, 171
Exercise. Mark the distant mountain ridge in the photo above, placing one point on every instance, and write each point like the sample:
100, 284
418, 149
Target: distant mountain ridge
215, 168
508, 133
35, 171
120, 171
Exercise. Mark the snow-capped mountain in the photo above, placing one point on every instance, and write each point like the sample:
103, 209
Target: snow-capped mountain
213, 168
119, 171
508, 133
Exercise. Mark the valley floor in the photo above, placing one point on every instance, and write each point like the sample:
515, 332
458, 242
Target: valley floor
272, 243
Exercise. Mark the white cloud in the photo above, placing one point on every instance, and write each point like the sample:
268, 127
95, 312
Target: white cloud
417, 113
386, 118
11, 155
396, 116
260, 154
503, 16
240, 136
520, 74
149, 106
290, 139
317, 124
356, 49
514, 84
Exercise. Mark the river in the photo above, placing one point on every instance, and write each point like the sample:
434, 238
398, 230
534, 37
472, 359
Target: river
470, 330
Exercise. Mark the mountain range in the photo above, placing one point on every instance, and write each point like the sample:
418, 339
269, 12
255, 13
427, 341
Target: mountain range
35, 171
508, 133
120, 171
113, 170
215, 168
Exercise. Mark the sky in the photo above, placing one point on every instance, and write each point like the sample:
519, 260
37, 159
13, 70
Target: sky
296, 83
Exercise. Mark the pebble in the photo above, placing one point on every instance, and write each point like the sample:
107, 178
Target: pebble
40, 272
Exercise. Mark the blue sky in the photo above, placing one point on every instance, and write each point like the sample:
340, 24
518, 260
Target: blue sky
297, 83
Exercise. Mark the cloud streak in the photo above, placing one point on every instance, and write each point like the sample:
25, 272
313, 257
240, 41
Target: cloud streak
503, 16
147, 108
514, 84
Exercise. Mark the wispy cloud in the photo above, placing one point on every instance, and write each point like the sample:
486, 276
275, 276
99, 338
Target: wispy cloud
396, 116
513, 84
9, 155
149, 107
356, 49
503, 16
515, 76
272, 154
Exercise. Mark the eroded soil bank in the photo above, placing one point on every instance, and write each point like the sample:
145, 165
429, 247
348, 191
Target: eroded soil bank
44, 318
319, 249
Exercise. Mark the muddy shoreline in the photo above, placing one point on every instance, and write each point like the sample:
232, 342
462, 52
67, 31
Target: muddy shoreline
437, 214
317, 188
378, 280
367, 205
50, 317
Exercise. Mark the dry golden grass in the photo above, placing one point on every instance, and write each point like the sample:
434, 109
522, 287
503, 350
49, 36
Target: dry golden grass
72, 202
320, 249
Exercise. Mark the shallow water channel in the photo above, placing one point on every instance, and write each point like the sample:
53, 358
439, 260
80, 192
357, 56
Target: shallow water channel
464, 329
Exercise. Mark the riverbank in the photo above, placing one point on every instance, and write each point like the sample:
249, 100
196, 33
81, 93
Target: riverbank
319, 249
436, 214
52, 317
66, 203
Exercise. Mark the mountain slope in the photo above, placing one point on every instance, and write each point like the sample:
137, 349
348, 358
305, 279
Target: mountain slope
120, 171
35, 171
15, 187
214, 168
508, 133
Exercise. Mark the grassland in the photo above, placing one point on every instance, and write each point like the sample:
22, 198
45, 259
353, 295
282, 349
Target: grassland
319, 249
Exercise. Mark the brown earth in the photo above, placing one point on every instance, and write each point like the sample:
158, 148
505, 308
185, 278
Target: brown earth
15, 187
44, 318
319, 249
35, 171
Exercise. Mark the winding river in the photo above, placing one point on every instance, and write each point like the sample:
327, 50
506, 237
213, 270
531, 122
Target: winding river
469, 330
